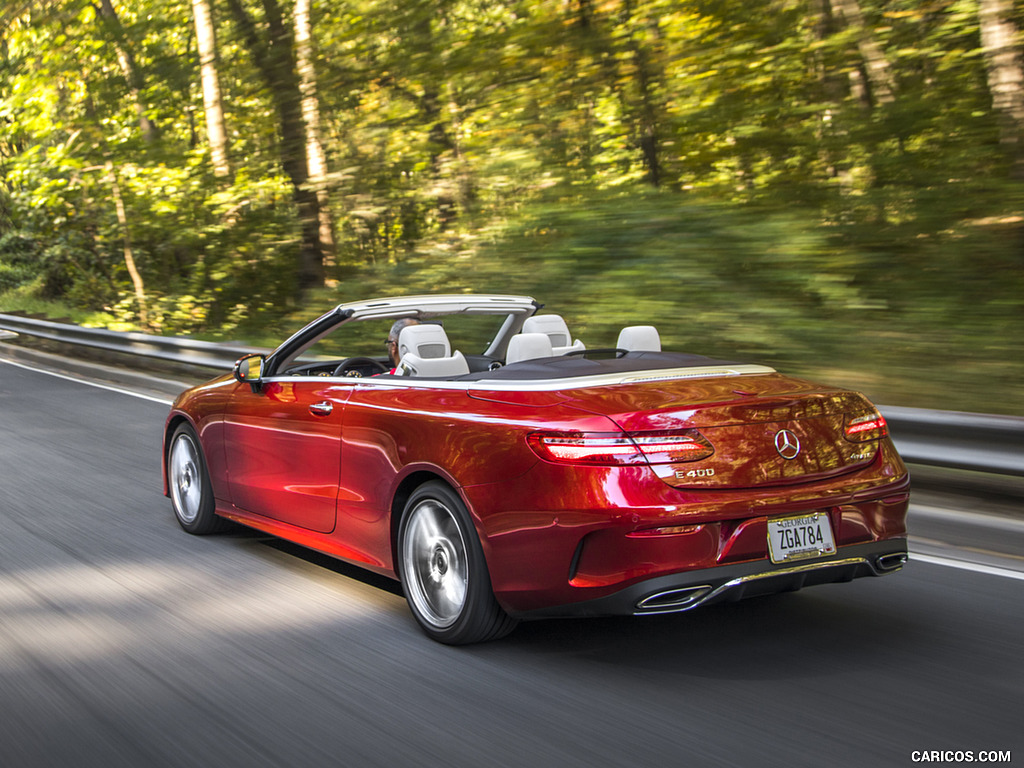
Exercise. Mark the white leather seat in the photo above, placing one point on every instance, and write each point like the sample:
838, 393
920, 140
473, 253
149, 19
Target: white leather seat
639, 338
556, 330
426, 340
528, 346
426, 351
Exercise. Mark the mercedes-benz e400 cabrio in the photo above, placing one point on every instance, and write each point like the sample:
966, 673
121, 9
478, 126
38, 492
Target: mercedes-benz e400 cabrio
501, 469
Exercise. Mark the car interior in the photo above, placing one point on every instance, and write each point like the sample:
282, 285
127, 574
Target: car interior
544, 348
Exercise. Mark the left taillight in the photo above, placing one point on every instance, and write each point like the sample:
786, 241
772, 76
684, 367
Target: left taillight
621, 448
864, 426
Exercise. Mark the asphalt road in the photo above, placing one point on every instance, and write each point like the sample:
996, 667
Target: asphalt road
126, 642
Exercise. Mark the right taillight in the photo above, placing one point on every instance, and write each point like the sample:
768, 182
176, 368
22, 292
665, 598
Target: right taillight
864, 426
621, 448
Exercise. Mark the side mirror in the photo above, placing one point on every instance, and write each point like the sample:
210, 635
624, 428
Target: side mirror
249, 370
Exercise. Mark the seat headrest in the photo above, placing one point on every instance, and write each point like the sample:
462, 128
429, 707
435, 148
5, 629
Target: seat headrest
552, 325
639, 338
528, 346
426, 341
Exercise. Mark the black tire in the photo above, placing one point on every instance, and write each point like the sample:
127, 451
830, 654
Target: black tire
443, 571
188, 481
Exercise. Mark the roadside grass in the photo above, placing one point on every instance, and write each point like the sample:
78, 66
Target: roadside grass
24, 301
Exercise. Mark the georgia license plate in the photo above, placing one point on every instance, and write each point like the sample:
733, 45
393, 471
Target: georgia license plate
798, 538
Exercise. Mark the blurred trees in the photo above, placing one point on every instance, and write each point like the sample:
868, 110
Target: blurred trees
1000, 39
393, 143
213, 102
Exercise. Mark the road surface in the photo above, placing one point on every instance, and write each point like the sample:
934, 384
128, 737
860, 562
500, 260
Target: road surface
126, 642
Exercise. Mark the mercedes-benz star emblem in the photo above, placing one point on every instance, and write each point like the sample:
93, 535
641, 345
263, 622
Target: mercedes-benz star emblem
787, 444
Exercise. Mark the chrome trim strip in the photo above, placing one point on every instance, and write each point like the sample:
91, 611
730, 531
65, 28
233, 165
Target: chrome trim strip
689, 595
699, 372
899, 559
544, 385
613, 379
741, 580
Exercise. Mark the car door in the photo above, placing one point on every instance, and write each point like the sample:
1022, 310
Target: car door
283, 449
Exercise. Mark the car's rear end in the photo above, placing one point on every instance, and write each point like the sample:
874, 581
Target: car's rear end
698, 490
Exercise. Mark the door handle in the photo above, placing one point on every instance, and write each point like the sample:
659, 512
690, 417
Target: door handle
321, 409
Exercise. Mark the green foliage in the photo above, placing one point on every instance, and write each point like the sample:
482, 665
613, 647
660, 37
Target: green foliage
17, 255
726, 169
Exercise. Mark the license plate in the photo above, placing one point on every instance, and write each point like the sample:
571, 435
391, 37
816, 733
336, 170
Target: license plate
799, 538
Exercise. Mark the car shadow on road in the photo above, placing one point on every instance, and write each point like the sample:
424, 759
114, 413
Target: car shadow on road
775, 637
312, 557
757, 638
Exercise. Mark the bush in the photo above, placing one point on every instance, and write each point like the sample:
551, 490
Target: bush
18, 257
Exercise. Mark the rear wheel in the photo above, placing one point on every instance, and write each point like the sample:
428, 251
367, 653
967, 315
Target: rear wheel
443, 571
189, 484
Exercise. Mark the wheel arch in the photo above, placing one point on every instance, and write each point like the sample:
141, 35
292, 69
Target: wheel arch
475, 617
404, 491
173, 422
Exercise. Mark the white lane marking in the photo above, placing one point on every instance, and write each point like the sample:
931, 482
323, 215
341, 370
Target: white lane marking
1006, 573
108, 387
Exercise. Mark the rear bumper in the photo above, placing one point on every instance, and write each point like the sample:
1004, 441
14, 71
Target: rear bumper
728, 583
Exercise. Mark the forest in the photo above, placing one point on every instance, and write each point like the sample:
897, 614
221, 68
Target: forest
833, 187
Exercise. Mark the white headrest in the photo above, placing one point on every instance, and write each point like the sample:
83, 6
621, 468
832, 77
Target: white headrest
556, 330
426, 341
639, 338
528, 346
552, 325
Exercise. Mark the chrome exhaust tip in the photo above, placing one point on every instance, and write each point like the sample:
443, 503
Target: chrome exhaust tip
673, 600
891, 562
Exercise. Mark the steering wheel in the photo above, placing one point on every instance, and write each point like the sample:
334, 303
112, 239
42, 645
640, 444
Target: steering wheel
350, 366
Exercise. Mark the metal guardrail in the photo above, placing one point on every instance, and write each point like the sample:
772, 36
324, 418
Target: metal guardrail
204, 354
983, 443
979, 442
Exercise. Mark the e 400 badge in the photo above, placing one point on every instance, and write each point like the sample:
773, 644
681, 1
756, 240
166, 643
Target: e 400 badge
680, 475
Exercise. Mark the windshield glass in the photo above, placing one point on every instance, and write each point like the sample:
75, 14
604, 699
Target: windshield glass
470, 334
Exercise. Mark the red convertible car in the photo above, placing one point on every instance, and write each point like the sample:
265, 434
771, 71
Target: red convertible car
540, 476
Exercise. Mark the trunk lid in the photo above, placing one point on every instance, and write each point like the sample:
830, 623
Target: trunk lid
766, 430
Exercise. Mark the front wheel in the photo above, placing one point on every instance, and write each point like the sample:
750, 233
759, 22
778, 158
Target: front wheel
189, 482
444, 575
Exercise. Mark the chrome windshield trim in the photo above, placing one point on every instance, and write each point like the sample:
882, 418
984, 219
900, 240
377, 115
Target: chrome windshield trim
442, 304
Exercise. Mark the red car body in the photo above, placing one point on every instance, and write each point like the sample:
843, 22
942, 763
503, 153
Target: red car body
332, 461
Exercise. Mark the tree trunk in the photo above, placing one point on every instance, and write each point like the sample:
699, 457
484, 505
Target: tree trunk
129, 257
647, 121
440, 140
832, 88
316, 160
1005, 76
213, 103
108, 17
275, 60
876, 67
